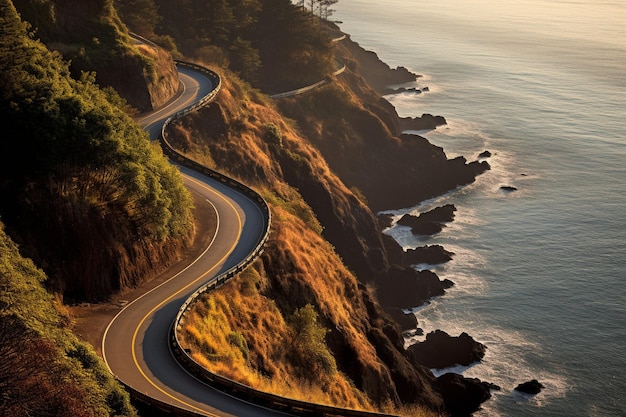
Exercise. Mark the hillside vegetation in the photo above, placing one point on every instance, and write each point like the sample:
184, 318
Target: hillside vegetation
91, 36
272, 44
99, 209
89, 200
45, 370
77, 159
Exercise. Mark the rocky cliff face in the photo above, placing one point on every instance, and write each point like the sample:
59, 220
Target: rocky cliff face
360, 136
346, 134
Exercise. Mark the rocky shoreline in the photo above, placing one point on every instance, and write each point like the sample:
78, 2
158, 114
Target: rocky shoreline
407, 288
405, 291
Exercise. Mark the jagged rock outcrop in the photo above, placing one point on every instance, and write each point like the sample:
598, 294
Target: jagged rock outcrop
378, 74
430, 254
408, 288
424, 122
430, 222
532, 387
462, 396
440, 350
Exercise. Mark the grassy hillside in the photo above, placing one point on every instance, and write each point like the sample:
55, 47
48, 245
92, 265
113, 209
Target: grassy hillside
245, 135
299, 324
45, 370
99, 209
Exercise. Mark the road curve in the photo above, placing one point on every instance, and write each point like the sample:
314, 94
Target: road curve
135, 344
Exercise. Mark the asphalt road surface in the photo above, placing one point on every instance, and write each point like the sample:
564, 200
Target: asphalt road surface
135, 344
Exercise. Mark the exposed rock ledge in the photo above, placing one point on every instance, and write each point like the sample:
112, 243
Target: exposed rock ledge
425, 122
463, 396
430, 222
440, 350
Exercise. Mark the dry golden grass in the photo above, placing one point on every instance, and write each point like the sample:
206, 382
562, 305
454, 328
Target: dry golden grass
238, 311
240, 331
239, 308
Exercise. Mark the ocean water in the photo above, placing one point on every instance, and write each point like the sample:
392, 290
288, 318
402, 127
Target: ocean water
540, 272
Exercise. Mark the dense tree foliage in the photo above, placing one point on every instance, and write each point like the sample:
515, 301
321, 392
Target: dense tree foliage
91, 37
85, 32
273, 44
76, 160
307, 345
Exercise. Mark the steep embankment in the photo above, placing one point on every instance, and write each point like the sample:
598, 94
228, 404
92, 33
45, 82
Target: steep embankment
359, 135
87, 196
244, 134
44, 369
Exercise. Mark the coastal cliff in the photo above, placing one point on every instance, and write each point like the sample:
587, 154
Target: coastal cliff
309, 155
325, 161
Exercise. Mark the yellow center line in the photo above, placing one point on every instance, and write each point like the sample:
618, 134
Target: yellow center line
134, 354
162, 110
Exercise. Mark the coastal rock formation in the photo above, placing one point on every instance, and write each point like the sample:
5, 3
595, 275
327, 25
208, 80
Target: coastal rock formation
425, 122
404, 320
430, 254
440, 350
430, 222
367, 138
408, 288
462, 396
530, 387
377, 72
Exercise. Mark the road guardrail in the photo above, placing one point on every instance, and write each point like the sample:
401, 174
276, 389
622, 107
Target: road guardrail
239, 390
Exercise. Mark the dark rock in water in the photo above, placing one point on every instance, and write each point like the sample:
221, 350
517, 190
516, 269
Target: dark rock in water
418, 227
508, 188
408, 288
430, 222
440, 350
462, 396
433, 255
439, 214
425, 89
530, 387
484, 154
425, 122
419, 332
406, 321
447, 283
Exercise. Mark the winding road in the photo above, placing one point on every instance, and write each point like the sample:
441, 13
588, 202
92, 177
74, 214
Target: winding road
135, 344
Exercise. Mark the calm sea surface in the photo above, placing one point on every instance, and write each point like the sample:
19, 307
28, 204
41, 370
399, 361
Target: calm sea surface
540, 272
